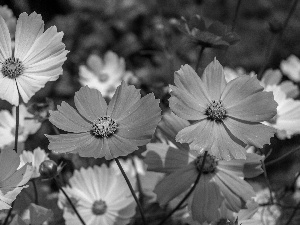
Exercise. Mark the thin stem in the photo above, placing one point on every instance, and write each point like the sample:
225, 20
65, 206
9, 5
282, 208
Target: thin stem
188, 194
267, 180
138, 181
132, 191
199, 58
70, 201
8, 214
36, 194
272, 43
17, 128
293, 214
236, 15
281, 157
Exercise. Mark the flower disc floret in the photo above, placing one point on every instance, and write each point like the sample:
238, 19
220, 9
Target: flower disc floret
216, 111
104, 127
12, 68
210, 163
99, 207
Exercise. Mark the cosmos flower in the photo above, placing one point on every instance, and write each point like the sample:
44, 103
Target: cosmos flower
35, 158
224, 116
105, 74
27, 125
220, 180
100, 195
215, 35
36, 58
291, 68
12, 179
287, 120
109, 131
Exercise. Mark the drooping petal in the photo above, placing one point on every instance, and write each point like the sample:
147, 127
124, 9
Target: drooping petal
90, 103
255, 134
206, 200
163, 158
258, 107
139, 122
67, 119
235, 190
239, 89
175, 184
9, 162
8, 90
28, 29
200, 135
65, 143
5, 41
214, 78
6, 119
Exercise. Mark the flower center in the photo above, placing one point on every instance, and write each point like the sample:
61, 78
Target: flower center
216, 111
99, 207
210, 163
104, 127
12, 68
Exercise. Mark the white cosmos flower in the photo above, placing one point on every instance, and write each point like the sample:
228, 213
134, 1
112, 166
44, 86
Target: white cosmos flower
105, 74
36, 58
27, 125
291, 68
100, 195
287, 120
35, 158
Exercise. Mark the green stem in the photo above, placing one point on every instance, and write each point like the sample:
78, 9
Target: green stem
70, 201
188, 194
139, 183
282, 157
132, 191
36, 194
236, 15
267, 181
17, 128
293, 214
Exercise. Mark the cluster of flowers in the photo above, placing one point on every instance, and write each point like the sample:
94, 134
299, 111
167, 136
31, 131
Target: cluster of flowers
201, 147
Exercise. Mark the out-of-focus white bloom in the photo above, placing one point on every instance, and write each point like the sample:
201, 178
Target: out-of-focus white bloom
129, 168
12, 179
291, 68
35, 158
231, 74
268, 214
287, 120
104, 74
27, 125
10, 20
100, 195
37, 57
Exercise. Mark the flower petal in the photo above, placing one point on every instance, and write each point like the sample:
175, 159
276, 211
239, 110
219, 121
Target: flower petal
235, 190
163, 158
28, 29
69, 143
9, 162
5, 41
125, 97
175, 184
139, 122
8, 90
258, 107
206, 200
67, 119
255, 134
90, 103
214, 78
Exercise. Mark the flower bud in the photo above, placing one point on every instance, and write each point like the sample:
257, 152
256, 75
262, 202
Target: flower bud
48, 169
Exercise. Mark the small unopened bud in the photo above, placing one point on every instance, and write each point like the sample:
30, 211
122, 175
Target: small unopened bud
48, 169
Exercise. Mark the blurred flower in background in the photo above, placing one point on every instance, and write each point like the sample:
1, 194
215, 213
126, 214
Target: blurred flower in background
100, 195
105, 74
10, 19
291, 68
27, 125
